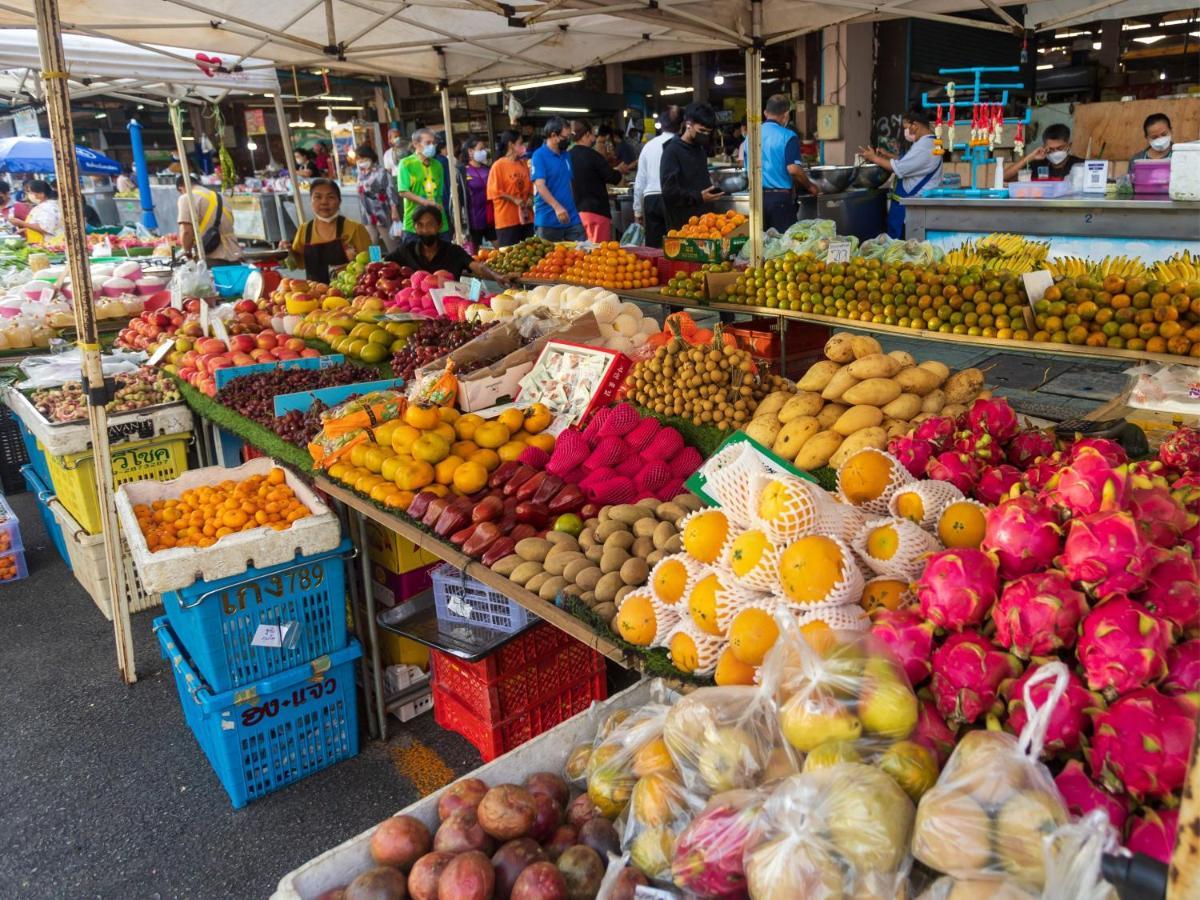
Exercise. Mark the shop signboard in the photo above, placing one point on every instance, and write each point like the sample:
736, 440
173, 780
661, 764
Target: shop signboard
256, 121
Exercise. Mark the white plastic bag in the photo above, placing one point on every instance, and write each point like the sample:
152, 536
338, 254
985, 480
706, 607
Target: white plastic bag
1166, 388
397, 229
191, 279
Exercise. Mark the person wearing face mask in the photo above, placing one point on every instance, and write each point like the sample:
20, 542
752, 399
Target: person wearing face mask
1157, 129
1053, 159
304, 166
328, 239
554, 213
44, 219
917, 171
430, 252
420, 179
481, 220
511, 191
377, 196
647, 187
687, 189
590, 176
395, 152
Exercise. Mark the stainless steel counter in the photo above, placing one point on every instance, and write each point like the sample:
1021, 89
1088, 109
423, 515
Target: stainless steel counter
858, 212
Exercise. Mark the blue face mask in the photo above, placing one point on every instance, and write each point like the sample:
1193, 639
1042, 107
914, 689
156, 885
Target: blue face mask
429, 150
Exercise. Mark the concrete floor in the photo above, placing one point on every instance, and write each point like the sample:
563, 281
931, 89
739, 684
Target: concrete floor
103, 790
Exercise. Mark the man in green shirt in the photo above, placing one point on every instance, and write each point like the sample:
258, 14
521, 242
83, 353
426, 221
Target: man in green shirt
419, 178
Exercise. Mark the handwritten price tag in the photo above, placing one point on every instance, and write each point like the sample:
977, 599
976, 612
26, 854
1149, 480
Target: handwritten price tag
205, 316
267, 636
838, 252
219, 331
163, 349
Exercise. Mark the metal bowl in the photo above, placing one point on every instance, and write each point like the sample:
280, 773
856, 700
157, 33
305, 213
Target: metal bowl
831, 179
729, 180
870, 175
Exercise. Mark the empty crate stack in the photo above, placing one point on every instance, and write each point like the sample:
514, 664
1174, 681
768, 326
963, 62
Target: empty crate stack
12, 551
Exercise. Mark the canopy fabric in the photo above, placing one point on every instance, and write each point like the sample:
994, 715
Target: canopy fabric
1056, 13
29, 154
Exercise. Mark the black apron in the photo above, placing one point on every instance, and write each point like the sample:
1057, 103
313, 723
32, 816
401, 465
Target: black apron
319, 258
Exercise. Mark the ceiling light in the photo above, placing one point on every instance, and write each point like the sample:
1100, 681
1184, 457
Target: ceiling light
330, 122
1043, 68
718, 79
1137, 26
268, 95
566, 109
484, 89
1096, 45
188, 137
670, 90
101, 115
1162, 76
300, 123
324, 97
141, 106
547, 82
1149, 39
351, 108
654, 116
250, 145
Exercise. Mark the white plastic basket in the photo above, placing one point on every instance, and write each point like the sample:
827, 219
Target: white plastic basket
179, 567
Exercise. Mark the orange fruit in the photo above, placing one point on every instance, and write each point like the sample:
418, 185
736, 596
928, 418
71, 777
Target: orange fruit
752, 633
704, 535
731, 670
865, 476
810, 568
961, 524
636, 620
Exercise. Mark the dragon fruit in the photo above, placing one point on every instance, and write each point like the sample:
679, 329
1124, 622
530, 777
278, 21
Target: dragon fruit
1140, 744
932, 732
981, 446
1149, 472
1082, 795
1087, 484
1186, 489
967, 674
995, 417
1028, 447
910, 638
708, 855
1023, 535
1113, 453
957, 588
1183, 669
1154, 833
1173, 590
1191, 538
995, 483
938, 431
1160, 514
1042, 472
1069, 717
1122, 647
1038, 613
1107, 553
1181, 450
957, 468
913, 452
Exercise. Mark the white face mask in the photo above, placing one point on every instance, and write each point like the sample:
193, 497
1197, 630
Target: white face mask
325, 219
479, 156
1161, 143
1056, 157
364, 166
909, 136
429, 151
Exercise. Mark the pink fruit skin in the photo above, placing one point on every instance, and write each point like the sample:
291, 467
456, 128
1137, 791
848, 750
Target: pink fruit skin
957, 468
1122, 647
937, 430
1154, 833
1023, 535
1113, 452
1082, 795
1140, 744
1037, 614
1181, 450
1028, 447
1088, 484
957, 588
1173, 591
1107, 553
708, 855
1183, 669
1042, 472
1069, 718
976, 444
995, 417
933, 733
910, 638
995, 483
967, 673
913, 453
1161, 516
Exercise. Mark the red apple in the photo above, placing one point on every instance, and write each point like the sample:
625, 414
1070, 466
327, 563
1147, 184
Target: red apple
295, 344
309, 352
267, 340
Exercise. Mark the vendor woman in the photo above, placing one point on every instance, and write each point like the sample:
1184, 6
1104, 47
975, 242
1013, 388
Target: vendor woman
917, 172
328, 239
432, 253
44, 220
1157, 129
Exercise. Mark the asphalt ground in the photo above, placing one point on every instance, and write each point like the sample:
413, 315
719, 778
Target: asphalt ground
104, 793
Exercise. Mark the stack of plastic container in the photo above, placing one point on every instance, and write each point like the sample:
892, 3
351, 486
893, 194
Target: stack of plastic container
12, 551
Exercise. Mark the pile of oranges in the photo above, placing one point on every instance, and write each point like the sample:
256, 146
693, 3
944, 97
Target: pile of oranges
8, 567
606, 266
203, 515
710, 225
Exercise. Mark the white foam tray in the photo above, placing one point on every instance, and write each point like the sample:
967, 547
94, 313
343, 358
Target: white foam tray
76, 437
545, 753
180, 567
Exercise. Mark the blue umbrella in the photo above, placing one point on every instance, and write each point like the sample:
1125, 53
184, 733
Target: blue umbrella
28, 154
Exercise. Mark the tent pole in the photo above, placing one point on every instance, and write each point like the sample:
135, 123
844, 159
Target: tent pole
177, 127
143, 174
754, 108
286, 136
455, 205
66, 167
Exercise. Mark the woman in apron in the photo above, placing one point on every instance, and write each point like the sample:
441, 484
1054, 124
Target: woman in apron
327, 240
917, 171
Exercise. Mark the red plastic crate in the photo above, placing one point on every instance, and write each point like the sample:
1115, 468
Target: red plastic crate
521, 674
761, 338
669, 267
249, 452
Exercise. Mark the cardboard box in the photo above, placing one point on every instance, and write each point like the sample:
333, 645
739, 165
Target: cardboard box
391, 589
715, 284
575, 380
707, 250
401, 651
394, 553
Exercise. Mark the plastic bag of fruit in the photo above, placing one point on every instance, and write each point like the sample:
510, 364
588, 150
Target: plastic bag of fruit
708, 854
434, 388
628, 743
659, 809
995, 803
347, 424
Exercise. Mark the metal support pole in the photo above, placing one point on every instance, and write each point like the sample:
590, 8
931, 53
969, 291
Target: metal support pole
455, 205
145, 196
288, 159
754, 151
66, 167
184, 169
372, 626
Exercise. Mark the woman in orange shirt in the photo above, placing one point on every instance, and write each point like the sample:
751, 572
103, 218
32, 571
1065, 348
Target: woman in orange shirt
511, 191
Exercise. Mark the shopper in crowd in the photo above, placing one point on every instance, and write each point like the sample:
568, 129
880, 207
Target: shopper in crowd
917, 171
429, 251
590, 176
377, 196
324, 164
304, 164
447, 208
125, 182
530, 136
328, 239
213, 221
9, 206
420, 180
554, 211
1157, 129
481, 218
510, 189
1052, 159
647, 188
782, 168
625, 149
44, 219
741, 134
395, 152
687, 189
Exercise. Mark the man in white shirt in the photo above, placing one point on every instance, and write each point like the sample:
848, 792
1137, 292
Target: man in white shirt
395, 152
917, 172
647, 188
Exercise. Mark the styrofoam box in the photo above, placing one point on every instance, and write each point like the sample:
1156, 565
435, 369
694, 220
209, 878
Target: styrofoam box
410, 709
175, 569
545, 753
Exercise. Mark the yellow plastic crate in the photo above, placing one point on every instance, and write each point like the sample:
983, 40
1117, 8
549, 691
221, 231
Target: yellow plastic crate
73, 475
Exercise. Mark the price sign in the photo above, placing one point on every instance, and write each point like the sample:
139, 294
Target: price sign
163, 349
219, 331
839, 251
475, 290
205, 314
1036, 284
1095, 176
375, 253
267, 636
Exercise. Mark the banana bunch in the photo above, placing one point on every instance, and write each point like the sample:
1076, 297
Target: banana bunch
1069, 267
964, 256
1121, 266
1006, 245
1021, 264
1180, 267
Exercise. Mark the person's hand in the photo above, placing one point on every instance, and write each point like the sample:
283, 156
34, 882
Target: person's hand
708, 195
562, 215
508, 279
1038, 154
285, 245
639, 218
395, 215
870, 154
813, 189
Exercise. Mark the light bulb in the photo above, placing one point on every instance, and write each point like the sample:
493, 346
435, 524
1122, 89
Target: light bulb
718, 79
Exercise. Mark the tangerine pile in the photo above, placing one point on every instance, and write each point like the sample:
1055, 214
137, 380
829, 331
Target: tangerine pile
606, 266
202, 516
710, 225
8, 567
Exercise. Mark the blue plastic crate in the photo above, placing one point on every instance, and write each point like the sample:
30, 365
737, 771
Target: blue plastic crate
276, 732
216, 620
43, 493
10, 528
37, 456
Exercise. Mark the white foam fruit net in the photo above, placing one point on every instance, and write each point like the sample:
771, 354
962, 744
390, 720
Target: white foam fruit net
801, 507
935, 495
848, 589
727, 478
908, 558
667, 564
666, 618
764, 574
841, 520
846, 617
729, 597
708, 647
898, 478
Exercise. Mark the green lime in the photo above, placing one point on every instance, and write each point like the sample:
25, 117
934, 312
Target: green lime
569, 523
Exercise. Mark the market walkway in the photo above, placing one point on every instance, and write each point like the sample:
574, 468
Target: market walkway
103, 791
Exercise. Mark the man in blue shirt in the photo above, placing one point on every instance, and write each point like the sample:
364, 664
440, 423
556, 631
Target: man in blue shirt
782, 170
554, 212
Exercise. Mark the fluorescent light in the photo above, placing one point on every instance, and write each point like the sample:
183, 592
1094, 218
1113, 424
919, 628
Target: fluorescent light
1045, 67
546, 82
330, 123
670, 90
1071, 34
300, 123
718, 79
101, 115
1149, 39
1096, 45
351, 108
141, 106
331, 97
566, 109
1162, 76
268, 95
484, 89
1138, 26
188, 137
250, 145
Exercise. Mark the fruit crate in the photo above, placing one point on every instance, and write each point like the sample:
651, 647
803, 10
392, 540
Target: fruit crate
14, 452
761, 337
74, 475
522, 674
217, 621
44, 495
33, 452
12, 566
668, 268
10, 526
281, 730
459, 598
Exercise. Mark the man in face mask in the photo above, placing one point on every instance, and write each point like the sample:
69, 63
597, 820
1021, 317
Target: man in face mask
1157, 129
421, 179
395, 152
917, 171
1053, 159
687, 189
430, 252
554, 213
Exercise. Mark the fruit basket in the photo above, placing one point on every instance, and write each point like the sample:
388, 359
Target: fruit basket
460, 598
181, 567
12, 566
